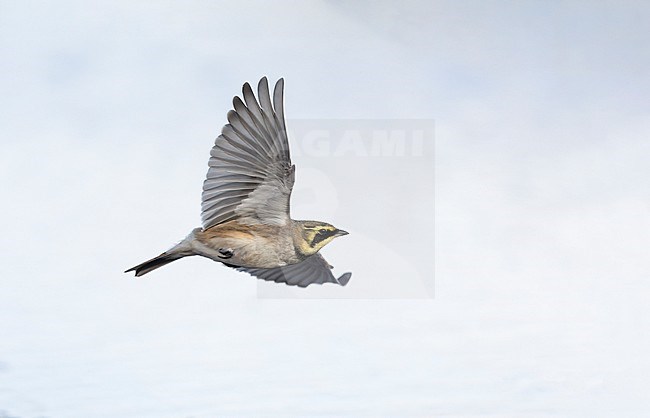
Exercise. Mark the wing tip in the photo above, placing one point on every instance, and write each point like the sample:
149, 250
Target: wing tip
344, 279
247, 90
263, 80
237, 102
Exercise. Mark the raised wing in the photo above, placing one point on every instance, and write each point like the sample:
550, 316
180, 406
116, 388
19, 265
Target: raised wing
313, 270
250, 176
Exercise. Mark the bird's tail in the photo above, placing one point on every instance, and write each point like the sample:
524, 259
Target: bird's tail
154, 263
180, 250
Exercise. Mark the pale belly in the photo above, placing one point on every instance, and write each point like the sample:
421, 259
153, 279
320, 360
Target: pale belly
246, 250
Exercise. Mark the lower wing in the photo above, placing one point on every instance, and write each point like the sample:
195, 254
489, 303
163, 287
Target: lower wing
313, 270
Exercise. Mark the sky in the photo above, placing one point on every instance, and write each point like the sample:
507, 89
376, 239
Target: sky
536, 224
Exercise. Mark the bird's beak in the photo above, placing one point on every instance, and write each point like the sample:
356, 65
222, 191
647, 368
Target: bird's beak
340, 233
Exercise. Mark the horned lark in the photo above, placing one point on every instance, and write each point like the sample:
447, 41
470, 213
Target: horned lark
245, 202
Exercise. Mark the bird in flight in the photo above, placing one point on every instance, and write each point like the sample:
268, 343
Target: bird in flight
245, 202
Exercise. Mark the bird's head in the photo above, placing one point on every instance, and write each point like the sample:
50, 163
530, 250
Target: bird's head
314, 235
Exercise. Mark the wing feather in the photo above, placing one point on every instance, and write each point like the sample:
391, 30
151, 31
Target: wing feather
265, 103
251, 124
313, 270
250, 175
236, 149
237, 140
255, 112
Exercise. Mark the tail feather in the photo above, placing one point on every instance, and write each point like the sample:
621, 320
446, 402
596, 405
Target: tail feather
154, 263
178, 251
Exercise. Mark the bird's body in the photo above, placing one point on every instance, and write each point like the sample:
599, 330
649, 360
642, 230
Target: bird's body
245, 205
259, 246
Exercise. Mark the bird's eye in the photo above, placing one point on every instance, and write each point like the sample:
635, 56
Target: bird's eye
323, 231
